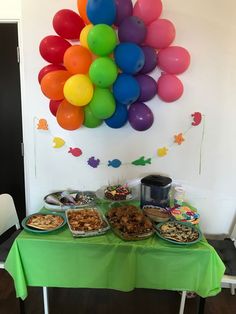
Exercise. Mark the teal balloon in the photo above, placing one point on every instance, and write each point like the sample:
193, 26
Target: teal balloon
103, 72
102, 40
103, 103
90, 120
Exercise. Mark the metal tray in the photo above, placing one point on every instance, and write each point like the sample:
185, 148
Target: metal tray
83, 234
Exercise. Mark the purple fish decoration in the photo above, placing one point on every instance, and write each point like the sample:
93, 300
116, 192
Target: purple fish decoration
93, 162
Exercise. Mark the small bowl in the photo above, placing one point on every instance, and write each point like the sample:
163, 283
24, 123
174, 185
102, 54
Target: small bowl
156, 213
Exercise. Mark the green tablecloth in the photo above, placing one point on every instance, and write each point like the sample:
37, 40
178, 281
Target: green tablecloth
57, 259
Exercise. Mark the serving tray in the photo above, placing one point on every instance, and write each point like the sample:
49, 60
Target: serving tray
62, 208
30, 228
178, 225
77, 233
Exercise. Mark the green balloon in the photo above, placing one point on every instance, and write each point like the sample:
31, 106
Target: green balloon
103, 103
103, 72
90, 121
102, 39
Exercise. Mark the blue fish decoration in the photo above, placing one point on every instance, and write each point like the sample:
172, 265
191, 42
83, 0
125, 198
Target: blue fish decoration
115, 163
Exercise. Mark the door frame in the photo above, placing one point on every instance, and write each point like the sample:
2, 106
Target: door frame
17, 21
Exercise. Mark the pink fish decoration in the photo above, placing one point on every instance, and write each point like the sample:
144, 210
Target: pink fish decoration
75, 151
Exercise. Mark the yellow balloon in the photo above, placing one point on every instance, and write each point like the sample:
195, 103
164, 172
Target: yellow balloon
78, 90
84, 35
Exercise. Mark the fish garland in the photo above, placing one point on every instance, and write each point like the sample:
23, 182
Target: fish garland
94, 162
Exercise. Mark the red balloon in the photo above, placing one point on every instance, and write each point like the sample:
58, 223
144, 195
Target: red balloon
49, 68
173, 60
68, 24
160, 34
53, 106
169, 87
52, 48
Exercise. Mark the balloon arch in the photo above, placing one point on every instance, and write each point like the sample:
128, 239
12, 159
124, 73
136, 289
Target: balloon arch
105, 76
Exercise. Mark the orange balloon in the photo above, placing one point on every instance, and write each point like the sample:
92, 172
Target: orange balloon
52, 84
81, 4
70, 117
77, 59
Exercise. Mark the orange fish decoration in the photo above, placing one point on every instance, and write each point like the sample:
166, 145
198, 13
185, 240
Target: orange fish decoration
75, 151
179, 138
42, 124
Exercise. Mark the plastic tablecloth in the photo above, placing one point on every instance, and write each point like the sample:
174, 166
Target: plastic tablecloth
56, 259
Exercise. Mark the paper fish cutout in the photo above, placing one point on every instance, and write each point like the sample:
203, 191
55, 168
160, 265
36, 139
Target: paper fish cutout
161, 152
42, 124
141, 161
93, 162
75, 151
115, 163
179, 139
197, 118
58, 142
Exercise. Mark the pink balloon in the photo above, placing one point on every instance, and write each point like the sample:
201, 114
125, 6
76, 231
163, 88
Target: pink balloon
169, 87
173, 60
148, 10
160, 34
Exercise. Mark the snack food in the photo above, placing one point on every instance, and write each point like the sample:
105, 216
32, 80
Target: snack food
129, 222
84, 220
156, 213
44, 222
178, 232
117, 192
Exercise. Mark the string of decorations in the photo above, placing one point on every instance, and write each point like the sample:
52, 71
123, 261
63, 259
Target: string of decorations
94, 162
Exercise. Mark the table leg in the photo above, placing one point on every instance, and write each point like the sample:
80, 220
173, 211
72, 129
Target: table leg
22, 307
182, 303
201, 305
45, 300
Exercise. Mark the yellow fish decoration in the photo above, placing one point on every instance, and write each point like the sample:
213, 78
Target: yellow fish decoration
42, 124
58, 142
162, 151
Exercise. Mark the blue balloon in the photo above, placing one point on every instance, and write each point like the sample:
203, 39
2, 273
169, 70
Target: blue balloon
119, 118
126, 89
129, 57
101, 11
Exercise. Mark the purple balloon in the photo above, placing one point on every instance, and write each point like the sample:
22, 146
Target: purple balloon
148, 87
124, 8
132, 30
150, 59
140, 116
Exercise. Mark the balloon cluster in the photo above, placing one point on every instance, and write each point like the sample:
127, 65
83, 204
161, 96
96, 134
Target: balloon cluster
104, 76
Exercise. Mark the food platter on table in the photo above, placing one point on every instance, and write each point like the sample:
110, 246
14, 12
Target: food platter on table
63, 200
43, 223
86, 222
129, 223
157, 213
116, 193
185, 214
178, 232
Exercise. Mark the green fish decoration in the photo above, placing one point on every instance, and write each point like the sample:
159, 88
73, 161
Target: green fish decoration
141, 161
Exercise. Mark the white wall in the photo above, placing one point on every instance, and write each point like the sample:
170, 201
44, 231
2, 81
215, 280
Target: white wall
206, 29
10, 9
